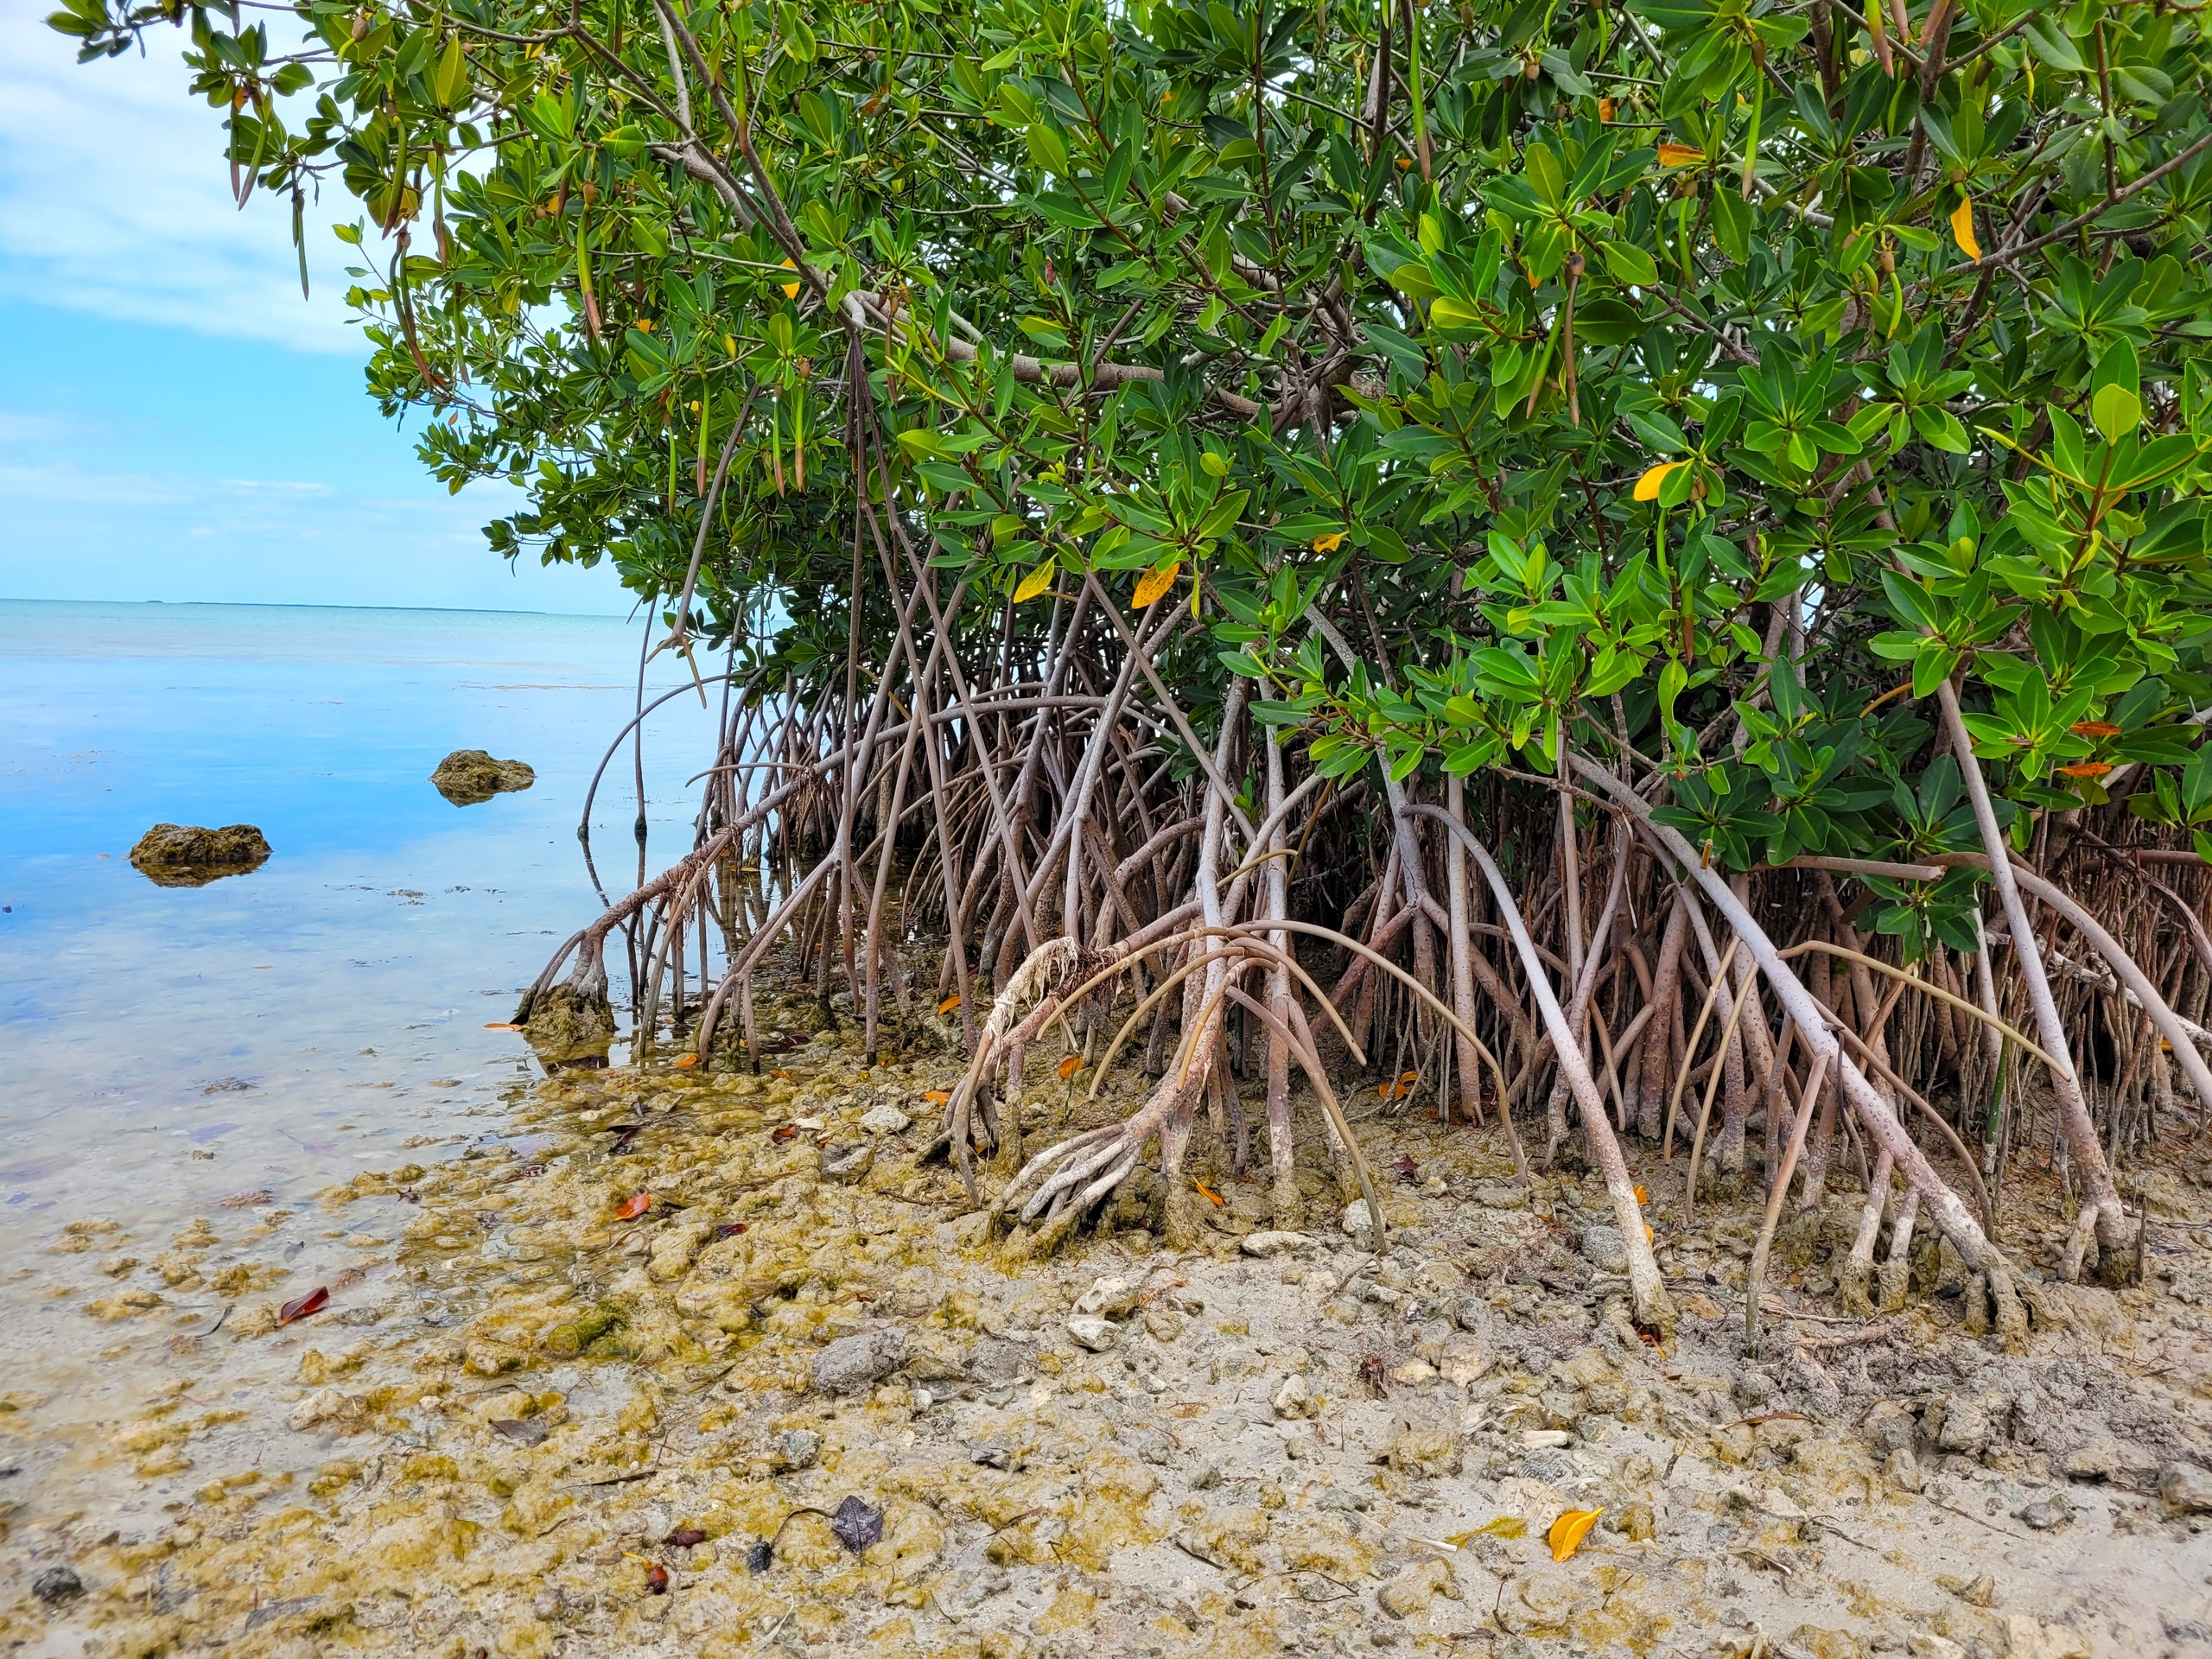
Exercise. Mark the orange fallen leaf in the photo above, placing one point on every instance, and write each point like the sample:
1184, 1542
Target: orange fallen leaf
684, 1060
1567, 1532
1643, 1196
1210, 1194
633, 1206
312, 1302
950, 1003
2086, 769
936, 1097
780, 1072
1070, 1067
782, 1133
1606, 108
2094, 728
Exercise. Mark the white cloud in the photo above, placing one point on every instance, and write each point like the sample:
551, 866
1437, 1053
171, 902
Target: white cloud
115, 199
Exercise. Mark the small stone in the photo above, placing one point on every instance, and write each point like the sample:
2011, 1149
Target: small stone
1109, 1297
1001, 1360
991, 1457
798, 1448
1903, 1468
1603, 1249
57, 1585
323, 1406
2096, 1459
1463, 1361
1541, 1440
2031, 1638
847, 1164
1275, 1243
1294, 1400
1973, 1423
2045, 1514
1358, 1219
885, 1119
853, 1364
187, 855
2186, 1488
1414, 1373
1411, 1591
1163, 1324
1888, 1426
1926, 1644
1092, 1333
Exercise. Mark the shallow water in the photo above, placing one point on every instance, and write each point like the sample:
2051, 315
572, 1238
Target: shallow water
171, 1047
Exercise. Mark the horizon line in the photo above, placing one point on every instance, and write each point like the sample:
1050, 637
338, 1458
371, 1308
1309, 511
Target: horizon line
284, 605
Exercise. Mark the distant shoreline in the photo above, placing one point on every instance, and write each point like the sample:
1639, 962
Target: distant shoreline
264, 605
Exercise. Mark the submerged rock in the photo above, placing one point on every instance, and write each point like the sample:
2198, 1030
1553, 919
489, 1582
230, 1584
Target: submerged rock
467, 776
187, 855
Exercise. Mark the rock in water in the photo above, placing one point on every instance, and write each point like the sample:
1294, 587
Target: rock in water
186, 855
852, 1364
469, 775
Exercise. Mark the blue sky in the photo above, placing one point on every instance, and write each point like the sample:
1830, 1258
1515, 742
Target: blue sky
175, 422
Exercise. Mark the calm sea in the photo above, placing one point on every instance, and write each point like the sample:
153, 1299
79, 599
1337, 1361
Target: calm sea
167, 1048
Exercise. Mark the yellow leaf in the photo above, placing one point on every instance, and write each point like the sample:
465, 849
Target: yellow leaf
1963, 228
1643, 1196
780, 1072
791, 290
1211, 1196
1035, 583
683, 1060
1606, 107
1679, 156
1647, 487
1070, 1067
950, 1003
646, 324
1567, 1532
936, 1097
1329, 543
1156, 581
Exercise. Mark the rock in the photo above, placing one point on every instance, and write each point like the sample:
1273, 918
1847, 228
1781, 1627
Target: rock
1294, 1400
1974, 1422
852, 1364
2186, 1488
1603, 1249
1926, 1644
2045, 1514
1000, 1360
797, 1448
186, 855
1463, 1360
2095, 1460
323, 1406
468, 777
2034, 1639
1425, 1452
1109, 1297
885, 1119
1229, 1538
1358, 1219
1163, 1324
1093, 1332
1501, 1197
1275, 1243
1414, 1373
1817, 1641
57, 1585
1411, 1591
1888, 1426
1903, 1468
847, 1164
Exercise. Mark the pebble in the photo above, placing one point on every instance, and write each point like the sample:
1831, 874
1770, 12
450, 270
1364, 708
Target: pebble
1109, 1297
1294, 1400
852, 1364
57, 1585
799, 1449
1280, 1243
1358, 1219
1603, 1249
1092, 1333
886, 1119
2186, 1488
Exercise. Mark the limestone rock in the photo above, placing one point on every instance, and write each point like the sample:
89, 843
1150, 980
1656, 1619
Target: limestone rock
1294, 1400
1093, 1332
2186, 1488
1411, 1591
1358, 1219
467, 776
854, 1362
797, 1448
847, 1164
1974, 1422
186, 855
1000, 1360
1275, 1243
885, 1119
2034, 1639
323, 1406
1426, 1452
1464, 1360
1229, 1538
1603, 1249
57, 1585
1109, 1297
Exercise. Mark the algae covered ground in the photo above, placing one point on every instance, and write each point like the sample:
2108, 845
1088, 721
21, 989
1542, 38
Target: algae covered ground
710, 1365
